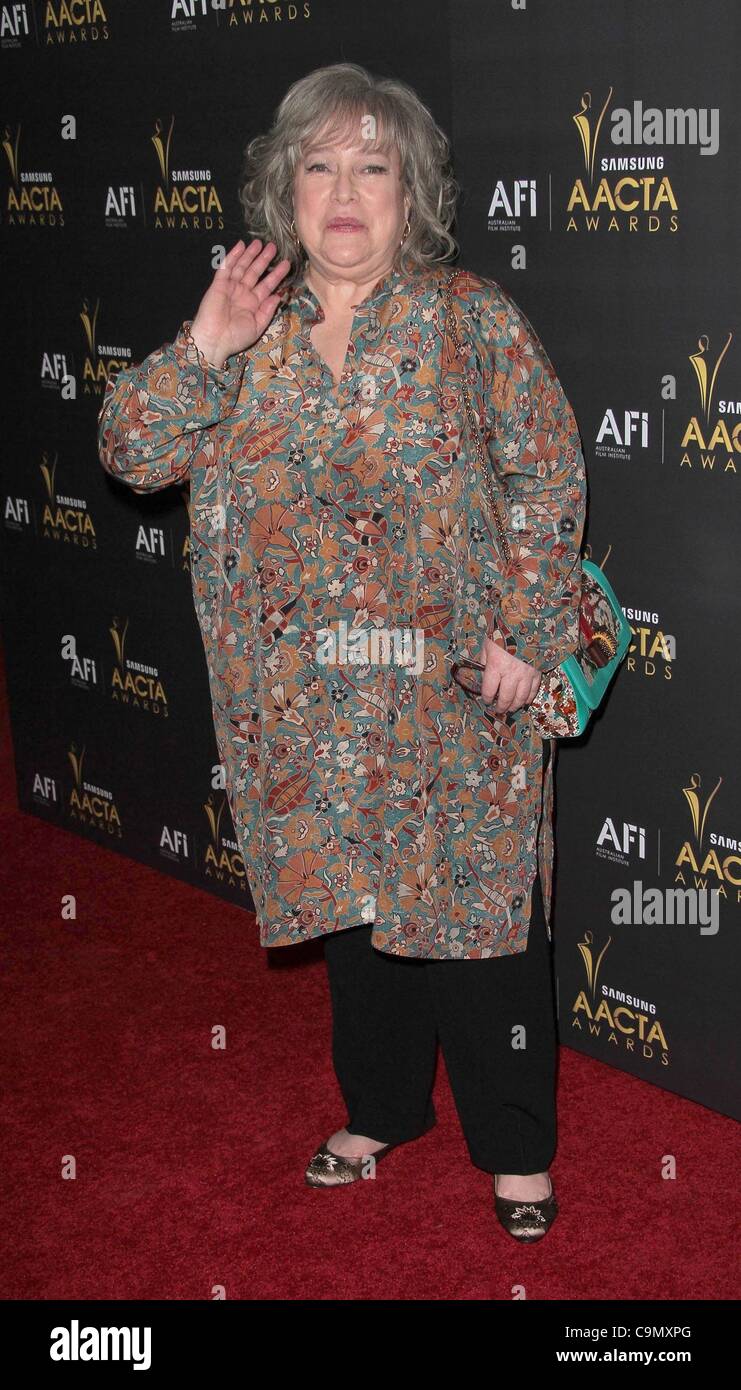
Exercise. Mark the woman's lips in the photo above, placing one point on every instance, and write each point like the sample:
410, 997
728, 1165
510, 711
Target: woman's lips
345, 226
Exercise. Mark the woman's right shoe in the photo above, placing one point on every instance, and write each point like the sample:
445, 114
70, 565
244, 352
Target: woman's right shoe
526, 1221
328, 1169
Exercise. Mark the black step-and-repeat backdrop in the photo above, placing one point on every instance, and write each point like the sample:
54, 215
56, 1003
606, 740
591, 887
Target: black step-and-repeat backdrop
598, 152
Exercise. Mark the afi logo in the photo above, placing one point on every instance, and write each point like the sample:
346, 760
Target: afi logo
174, 843
635, 422
150, 542
120, 202
622, 840
514, 201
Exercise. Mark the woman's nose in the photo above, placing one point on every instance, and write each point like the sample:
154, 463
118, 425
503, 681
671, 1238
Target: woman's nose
344, 186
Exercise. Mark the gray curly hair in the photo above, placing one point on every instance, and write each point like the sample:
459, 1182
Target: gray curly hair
331, 99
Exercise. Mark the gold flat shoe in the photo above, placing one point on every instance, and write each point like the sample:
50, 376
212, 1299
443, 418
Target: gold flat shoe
328, 1169
526, 1221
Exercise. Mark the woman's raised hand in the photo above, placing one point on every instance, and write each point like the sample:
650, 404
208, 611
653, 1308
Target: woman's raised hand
240, 301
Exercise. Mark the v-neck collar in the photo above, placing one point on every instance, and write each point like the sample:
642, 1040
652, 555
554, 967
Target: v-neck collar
388, 285
372, 316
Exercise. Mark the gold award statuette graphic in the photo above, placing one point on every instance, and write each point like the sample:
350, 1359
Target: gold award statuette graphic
591, 965
582, 120
89, 804
707, 438
630, 201
713, 868
88, 322
619, 1019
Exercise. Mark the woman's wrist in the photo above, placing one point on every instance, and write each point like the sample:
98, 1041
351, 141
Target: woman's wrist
206, 351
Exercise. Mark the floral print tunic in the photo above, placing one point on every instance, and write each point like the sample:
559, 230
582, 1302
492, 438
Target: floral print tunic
343, 555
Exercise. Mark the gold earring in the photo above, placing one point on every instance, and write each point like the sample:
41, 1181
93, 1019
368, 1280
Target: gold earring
296, 241
407, 231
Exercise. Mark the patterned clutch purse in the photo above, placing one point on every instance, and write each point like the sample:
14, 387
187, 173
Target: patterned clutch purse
569, 693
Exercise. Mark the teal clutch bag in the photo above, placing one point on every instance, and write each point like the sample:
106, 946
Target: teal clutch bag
570, 693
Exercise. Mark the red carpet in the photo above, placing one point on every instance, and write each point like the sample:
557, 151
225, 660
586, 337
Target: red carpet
190, 1161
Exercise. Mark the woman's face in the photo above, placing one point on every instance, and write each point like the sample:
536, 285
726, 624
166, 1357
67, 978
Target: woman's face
350, 207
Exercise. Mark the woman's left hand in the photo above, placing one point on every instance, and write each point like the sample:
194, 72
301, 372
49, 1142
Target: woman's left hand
513, 682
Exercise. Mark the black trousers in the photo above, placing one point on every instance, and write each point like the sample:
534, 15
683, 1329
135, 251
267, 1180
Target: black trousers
495, 1020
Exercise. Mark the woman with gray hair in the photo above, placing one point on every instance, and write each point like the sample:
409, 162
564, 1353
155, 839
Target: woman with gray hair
345, 567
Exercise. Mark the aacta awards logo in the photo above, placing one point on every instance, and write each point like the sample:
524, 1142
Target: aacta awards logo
101, 360
712, 437
184, 198
222, 859
33, 199
70, 22
717, 865
64, 518
635, 192
622, 1020
133, 682
90, 805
